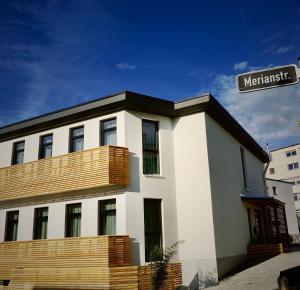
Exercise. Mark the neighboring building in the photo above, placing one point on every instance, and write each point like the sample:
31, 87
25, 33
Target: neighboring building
285, 165
194, 175
283, 191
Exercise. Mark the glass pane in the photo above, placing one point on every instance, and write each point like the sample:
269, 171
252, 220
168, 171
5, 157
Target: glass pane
110, 223
150, 163
296, 165
109, 124
149, 135
110, 138
78, 132
78, 144
20, 146
47, 139
19, 157
48, 151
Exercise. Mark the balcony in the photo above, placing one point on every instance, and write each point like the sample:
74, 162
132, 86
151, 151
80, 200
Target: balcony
101, 262
102, 166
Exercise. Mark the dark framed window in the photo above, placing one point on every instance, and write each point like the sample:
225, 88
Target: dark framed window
150, 147
107, 217
73, 220
272, 170
293, 166
108, 132
291, 153
46, 143
18, 152
11, 229
153, 227
76, 139
244, 167
274, 189
40, 223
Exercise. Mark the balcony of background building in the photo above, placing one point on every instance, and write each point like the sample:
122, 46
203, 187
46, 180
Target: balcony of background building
102, 166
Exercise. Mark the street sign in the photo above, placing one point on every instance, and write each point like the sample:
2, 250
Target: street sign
268, 78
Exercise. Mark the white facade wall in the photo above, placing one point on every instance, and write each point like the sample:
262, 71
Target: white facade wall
226, 177
284, 193
194, 205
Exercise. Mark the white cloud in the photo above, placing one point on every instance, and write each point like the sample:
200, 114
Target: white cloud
274, 49
269, 115
240, 66
125, 66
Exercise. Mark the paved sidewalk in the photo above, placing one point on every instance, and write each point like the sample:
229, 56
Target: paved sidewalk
262, 276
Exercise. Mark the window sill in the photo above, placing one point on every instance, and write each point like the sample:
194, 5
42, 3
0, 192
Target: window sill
154, 176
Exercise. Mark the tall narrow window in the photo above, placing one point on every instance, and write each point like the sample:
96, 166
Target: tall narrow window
107, 217
40, 223
243, 159
109, 132
150, 147
73, 220
46, 143
11, 230
18, 152
274, 189
153, 227
76, 139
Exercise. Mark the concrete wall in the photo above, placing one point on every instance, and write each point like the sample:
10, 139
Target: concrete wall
284, 193
194, 205
226, 178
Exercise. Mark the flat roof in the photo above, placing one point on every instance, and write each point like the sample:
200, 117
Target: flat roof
284, 147
137, 102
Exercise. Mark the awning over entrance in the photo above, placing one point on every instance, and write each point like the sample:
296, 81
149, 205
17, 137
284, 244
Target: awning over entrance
262, 200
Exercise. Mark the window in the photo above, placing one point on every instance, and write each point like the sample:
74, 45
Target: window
109, 132
76, 139
274, 190
153, 226
73, 220
107, 217
40, 223
18, 152
46, 143
298, 181
293, 166
244, 167
272, 170
150, 147
293, 182
295, 197
11, 230
291, 153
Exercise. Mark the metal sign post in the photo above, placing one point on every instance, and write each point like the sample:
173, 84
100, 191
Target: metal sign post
268, 78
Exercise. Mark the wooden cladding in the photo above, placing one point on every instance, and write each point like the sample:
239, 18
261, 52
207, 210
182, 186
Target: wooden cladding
77, 263
102, 166
264, 251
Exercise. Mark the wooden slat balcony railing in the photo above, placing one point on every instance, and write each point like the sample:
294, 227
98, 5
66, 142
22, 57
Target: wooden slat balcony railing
102, 166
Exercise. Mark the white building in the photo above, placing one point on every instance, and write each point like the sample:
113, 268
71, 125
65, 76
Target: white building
284, 165
194, 175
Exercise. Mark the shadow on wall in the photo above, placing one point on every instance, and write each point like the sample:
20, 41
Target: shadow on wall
203, 280
134, 173
135, 252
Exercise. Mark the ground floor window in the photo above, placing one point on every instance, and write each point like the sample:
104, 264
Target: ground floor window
73, 220
40, 223
11, 229
153, 226
107, 217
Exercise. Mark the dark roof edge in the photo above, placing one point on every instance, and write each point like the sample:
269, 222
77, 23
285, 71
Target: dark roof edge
284, 147
279, 180
137, 102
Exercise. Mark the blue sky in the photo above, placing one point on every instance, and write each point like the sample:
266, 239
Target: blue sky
55, 54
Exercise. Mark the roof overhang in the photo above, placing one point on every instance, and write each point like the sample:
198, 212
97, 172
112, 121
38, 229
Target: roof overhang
261, 201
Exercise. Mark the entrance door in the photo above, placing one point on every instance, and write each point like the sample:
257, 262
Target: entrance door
153, 226
258, 226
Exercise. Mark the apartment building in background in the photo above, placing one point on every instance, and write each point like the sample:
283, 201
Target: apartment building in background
158, 171
285, 165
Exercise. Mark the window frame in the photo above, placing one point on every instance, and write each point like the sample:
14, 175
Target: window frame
101, 216
68, 220
41, 146
72, 139
15, 152
7, 225
294, 165
107, 130
40, 220
290, 153
155, 151
244, 167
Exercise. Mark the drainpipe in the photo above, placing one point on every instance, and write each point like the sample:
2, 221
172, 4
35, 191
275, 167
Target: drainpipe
265, 170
